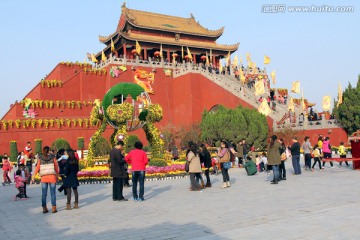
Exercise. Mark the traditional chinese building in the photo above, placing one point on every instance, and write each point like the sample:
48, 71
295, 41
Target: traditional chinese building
164, 35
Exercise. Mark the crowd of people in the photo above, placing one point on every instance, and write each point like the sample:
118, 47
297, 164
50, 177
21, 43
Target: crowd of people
65, 164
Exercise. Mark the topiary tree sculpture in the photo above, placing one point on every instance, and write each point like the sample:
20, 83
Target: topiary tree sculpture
126, 107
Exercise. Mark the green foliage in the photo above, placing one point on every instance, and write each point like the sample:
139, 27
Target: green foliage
147, 148
158, 162
348, 113
80, 143
130, 143
233, 125
102, 147
13, 151
60, 143
38, 146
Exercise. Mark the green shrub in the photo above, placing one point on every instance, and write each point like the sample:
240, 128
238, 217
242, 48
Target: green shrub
60, 143
13, 151
80, 143
38, 146
158, 162
130, 143
147, 148
102, 147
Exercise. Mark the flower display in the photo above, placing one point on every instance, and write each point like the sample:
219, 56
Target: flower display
120, 113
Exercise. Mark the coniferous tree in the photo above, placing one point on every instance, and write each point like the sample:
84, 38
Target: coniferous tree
348, 113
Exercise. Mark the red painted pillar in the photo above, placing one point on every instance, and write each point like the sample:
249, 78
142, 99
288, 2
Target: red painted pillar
145, 54
124, 50
168, 55
194, 58
213, 60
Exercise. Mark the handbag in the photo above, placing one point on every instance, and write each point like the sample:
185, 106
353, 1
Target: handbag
47, 169
187, 166
227, 165
283, 156
226, 157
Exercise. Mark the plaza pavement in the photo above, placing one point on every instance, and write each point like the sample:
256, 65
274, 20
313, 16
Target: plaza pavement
314, 205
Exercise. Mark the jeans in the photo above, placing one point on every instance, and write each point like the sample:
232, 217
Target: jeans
138, 176
282, 170
44, 188
225, 173
117, 189
276, 172
296, 164
307, 160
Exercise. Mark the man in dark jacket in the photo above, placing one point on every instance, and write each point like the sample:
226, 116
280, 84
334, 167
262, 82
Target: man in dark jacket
118, 171
295, 155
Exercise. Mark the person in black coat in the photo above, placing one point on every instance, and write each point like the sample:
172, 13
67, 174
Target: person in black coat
70, 178
205, 158
118, 171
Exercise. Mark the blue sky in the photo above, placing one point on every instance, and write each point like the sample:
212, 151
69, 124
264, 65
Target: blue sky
319, 49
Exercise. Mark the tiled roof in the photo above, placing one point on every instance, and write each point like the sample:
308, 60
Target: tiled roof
164, 22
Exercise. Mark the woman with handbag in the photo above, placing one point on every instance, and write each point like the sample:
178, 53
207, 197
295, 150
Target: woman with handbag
194, 166
48, 169
225, 163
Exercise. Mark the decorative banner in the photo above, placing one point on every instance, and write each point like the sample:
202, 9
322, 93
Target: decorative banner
112, 46
248, 59
207, 59
340, 97
264, 108
161, 51
227, 59
273, 77
259, 88
295, 87
326, 103
235, 61
115, 71
103, 57
242, 76
138, 48
168, 72
266, 60
291, 105
93, 59
303, 105
189, 53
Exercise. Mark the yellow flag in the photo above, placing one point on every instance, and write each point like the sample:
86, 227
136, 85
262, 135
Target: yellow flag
211, 56
138, 48
220, 67
303, 105
103, 57
264, 107
182, 52
161, 51
93, 58
273, 77
112, 46
188, 53
259, 88
266, 60
242, 76
207, 60
291, 105
227, 59
235, 61
254, 67
241, 60
295, 87
248, 59
340, 97
326, 103
250, 64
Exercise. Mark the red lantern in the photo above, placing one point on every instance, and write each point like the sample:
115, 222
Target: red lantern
203, 57
175, 55
186, 56
134, 51
157, 53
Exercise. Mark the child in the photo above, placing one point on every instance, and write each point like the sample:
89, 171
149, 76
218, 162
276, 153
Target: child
6, 169
19, 184
257, 162
250, 166
26, 176
263, 162
342, 153
317, 156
